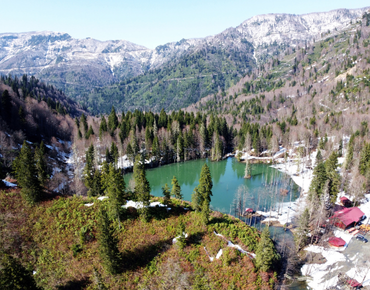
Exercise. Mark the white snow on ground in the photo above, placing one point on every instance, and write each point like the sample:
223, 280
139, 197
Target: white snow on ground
365, 207
239, 248
139, 204
174, 240
89, 204
103, 197
9, 184
318, 271
360, 274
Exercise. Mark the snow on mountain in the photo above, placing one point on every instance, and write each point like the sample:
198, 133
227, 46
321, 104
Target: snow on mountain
87, 63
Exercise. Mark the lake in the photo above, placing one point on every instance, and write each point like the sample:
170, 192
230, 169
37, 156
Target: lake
260, 191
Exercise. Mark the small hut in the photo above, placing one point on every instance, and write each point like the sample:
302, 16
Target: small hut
336, 242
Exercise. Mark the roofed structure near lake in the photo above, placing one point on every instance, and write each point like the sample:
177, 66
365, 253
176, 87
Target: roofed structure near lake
347, 217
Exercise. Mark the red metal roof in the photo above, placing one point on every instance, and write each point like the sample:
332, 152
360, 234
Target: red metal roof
337, 242
348, 215
249, 210
353, 283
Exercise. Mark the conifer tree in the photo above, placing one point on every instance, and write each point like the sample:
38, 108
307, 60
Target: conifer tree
166, 193
103, 127
108, 245
203, 192
364, 164
104, 176
142, 187
196, 200
14, 276
300, 236
319, 178
155, 147
116, 191
83, 121
112, 121
96, 188
41, 166
266, 254
205, 183
176, 189
205, 212
108, 156
318, 157
89, 132
6, 105
181, 242
114, 152
89, 167
26, 174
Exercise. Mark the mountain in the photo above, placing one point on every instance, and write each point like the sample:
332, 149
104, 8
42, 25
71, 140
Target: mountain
170, 76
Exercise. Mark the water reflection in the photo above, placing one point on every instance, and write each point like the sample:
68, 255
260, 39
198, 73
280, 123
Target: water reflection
266, 187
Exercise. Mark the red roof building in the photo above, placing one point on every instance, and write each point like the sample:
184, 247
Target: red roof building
346, 217
337, 242
249, 210
353, 283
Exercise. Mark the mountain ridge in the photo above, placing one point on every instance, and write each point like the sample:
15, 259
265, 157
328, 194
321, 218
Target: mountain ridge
79, 66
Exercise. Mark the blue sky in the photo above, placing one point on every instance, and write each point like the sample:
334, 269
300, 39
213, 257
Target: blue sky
148, 22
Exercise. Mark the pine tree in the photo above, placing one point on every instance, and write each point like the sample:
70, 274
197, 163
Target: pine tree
14, 276
203, 192
300, 236
105, 178
115, 191
6, 105
108, 156
103, 127
176, 189
89, 167
318, 157
319, 178
112, 121
83, 121
41, 166
96, 188
155, 147
108, 245
21, 116
205, 212
205, 183
142, 188
364, 164
114, 152
196, 200
167, 194
181, 242
266, 255
26, 174
89, 132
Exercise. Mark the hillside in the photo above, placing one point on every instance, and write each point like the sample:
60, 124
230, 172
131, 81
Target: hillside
58, 241
172, 75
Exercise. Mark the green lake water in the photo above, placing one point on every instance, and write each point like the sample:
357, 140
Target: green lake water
263, 188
